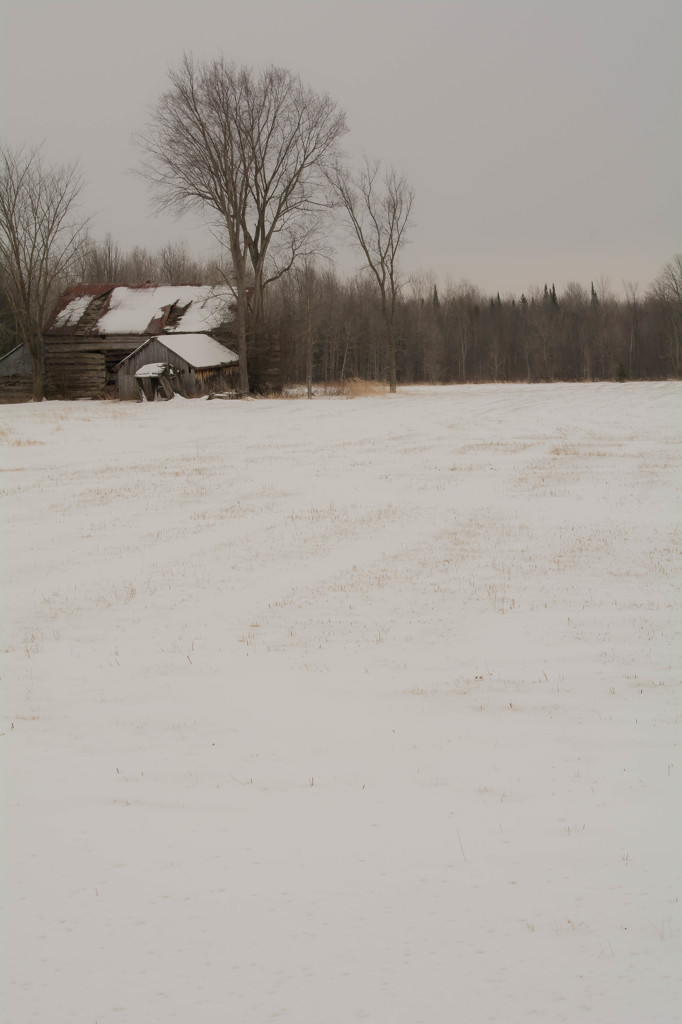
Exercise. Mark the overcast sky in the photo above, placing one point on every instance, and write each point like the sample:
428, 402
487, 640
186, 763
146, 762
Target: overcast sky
543, 137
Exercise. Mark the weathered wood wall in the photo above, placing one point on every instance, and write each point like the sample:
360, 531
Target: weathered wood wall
16, 387
191, 383
225, 378
78, 367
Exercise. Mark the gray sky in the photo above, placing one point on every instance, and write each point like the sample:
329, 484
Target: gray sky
543, 139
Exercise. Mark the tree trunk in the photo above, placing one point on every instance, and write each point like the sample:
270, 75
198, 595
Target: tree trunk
35, 349
241, 338
387, 310
309, 351
391, 359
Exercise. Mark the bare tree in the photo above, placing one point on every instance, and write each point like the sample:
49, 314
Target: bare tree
463, 302
666, 292
631, 288
41, 236
249, 149
379, 209
101, 262
177, 266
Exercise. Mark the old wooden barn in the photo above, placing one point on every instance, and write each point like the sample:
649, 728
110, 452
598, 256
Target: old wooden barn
187, 364
94, 327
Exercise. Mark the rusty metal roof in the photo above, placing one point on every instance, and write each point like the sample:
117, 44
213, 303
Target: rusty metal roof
146, 310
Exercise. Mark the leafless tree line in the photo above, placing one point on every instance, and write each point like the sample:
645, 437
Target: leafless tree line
106, 263
460, 335
329, 327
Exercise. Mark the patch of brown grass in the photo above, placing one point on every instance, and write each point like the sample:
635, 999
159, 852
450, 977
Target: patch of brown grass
355, 387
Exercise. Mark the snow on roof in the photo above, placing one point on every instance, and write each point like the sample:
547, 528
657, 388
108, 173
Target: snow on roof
152, 370
74, 311
151, 309
199, 350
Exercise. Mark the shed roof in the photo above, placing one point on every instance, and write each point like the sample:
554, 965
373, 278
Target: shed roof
142, 309
198, 350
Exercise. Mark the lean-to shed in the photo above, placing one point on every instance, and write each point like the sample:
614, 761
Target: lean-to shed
194, 364
94, 327
16, 376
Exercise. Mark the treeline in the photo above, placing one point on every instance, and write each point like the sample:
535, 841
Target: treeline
106, 263
461, 335
331, 327
328, 327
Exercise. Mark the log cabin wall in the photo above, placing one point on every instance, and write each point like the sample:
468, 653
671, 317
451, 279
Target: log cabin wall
84, 367
16, 387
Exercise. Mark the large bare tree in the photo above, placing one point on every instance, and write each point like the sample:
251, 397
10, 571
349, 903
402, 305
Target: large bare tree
41, 236
379, 209
249, 148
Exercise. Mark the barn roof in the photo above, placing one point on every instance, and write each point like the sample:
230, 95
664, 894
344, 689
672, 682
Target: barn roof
141, 309
199, 350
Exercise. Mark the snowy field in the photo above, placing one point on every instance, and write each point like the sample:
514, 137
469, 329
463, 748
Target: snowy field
344, 710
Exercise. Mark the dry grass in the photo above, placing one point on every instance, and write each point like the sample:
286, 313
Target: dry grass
355, 387
579, 450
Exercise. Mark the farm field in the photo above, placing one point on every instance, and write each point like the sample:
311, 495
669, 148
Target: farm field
344, 710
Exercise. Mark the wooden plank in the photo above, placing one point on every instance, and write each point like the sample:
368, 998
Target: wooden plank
109, 348
73, 364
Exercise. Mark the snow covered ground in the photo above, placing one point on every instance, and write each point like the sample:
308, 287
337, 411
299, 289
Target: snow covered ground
344, 710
